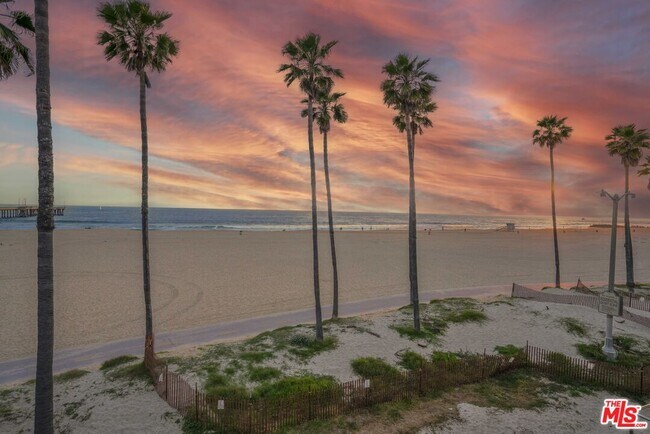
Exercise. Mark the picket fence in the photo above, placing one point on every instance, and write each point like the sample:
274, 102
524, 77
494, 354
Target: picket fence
262, 415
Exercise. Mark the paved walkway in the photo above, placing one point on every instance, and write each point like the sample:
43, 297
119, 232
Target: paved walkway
12, 371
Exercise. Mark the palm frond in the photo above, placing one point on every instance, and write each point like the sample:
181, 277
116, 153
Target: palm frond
307, 65
134, 38
551, 131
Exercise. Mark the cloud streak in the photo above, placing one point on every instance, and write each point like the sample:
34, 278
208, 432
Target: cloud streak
225, 132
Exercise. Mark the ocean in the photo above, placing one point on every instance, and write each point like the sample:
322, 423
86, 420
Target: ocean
90, 217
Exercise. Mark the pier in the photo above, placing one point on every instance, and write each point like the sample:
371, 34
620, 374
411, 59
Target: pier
26, 211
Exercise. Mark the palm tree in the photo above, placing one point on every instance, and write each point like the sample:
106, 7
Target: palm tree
405, 89
628, 143
419, 121
645, 169
328, 106
134, 37
307, 56
12, 51
43, 405
551, 132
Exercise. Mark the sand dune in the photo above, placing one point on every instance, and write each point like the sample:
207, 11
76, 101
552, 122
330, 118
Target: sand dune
201, 278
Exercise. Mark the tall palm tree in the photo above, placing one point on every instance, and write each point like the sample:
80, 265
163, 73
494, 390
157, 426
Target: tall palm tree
407, 85
43, 406
328, 107
628, 143
645, 169
419, 121
550, 132
307, 65
12, 51
134, 36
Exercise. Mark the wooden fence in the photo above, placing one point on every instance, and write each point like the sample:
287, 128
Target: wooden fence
562, 368
636, 302
261, 415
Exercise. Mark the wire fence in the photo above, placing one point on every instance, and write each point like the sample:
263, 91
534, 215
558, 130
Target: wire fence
261, 415
591, 301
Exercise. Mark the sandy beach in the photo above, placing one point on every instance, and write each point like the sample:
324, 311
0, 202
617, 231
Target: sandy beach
201, 278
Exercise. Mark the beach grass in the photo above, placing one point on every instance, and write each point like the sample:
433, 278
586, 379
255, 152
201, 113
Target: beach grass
263, 373
289, 386
120, 360
130, 373
411, 361
509, 350
630, 352
371, 367
574, 326
70, 375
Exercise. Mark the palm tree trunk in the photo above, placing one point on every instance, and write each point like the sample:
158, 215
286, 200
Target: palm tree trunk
146, 273
335, 272
629, 258
557, 250
314, 217
413, 256
413, 146
43, 406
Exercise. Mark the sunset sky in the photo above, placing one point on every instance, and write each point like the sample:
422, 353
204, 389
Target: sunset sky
225, 132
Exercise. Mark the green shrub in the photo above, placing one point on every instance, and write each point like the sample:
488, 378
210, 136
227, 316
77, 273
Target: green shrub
627, 355
444, 356
467, 315
411, 360
292, 385
625, 343
429, 331
219, 386
300, 340
120, 360
256, 356
370, 367
132, 372
263, 373
509, 350
306, 347
70, 375
574, 326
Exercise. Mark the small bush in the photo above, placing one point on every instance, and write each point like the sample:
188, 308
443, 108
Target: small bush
467, 315
292, 385
300, 340
219, 386
132, 372
70, 375
120, 360
625, 343
509, 350
444, 356
263, 373
370, 367
305, 347
256, 356
411, 360
574, 326
192, 426
427, 332
627, 355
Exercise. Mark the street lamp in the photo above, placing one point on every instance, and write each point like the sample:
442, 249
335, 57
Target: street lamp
608, 348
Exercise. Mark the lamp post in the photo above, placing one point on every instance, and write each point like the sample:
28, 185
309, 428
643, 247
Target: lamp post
608, 348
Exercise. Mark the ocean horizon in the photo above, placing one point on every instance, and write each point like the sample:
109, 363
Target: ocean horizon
110, 217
